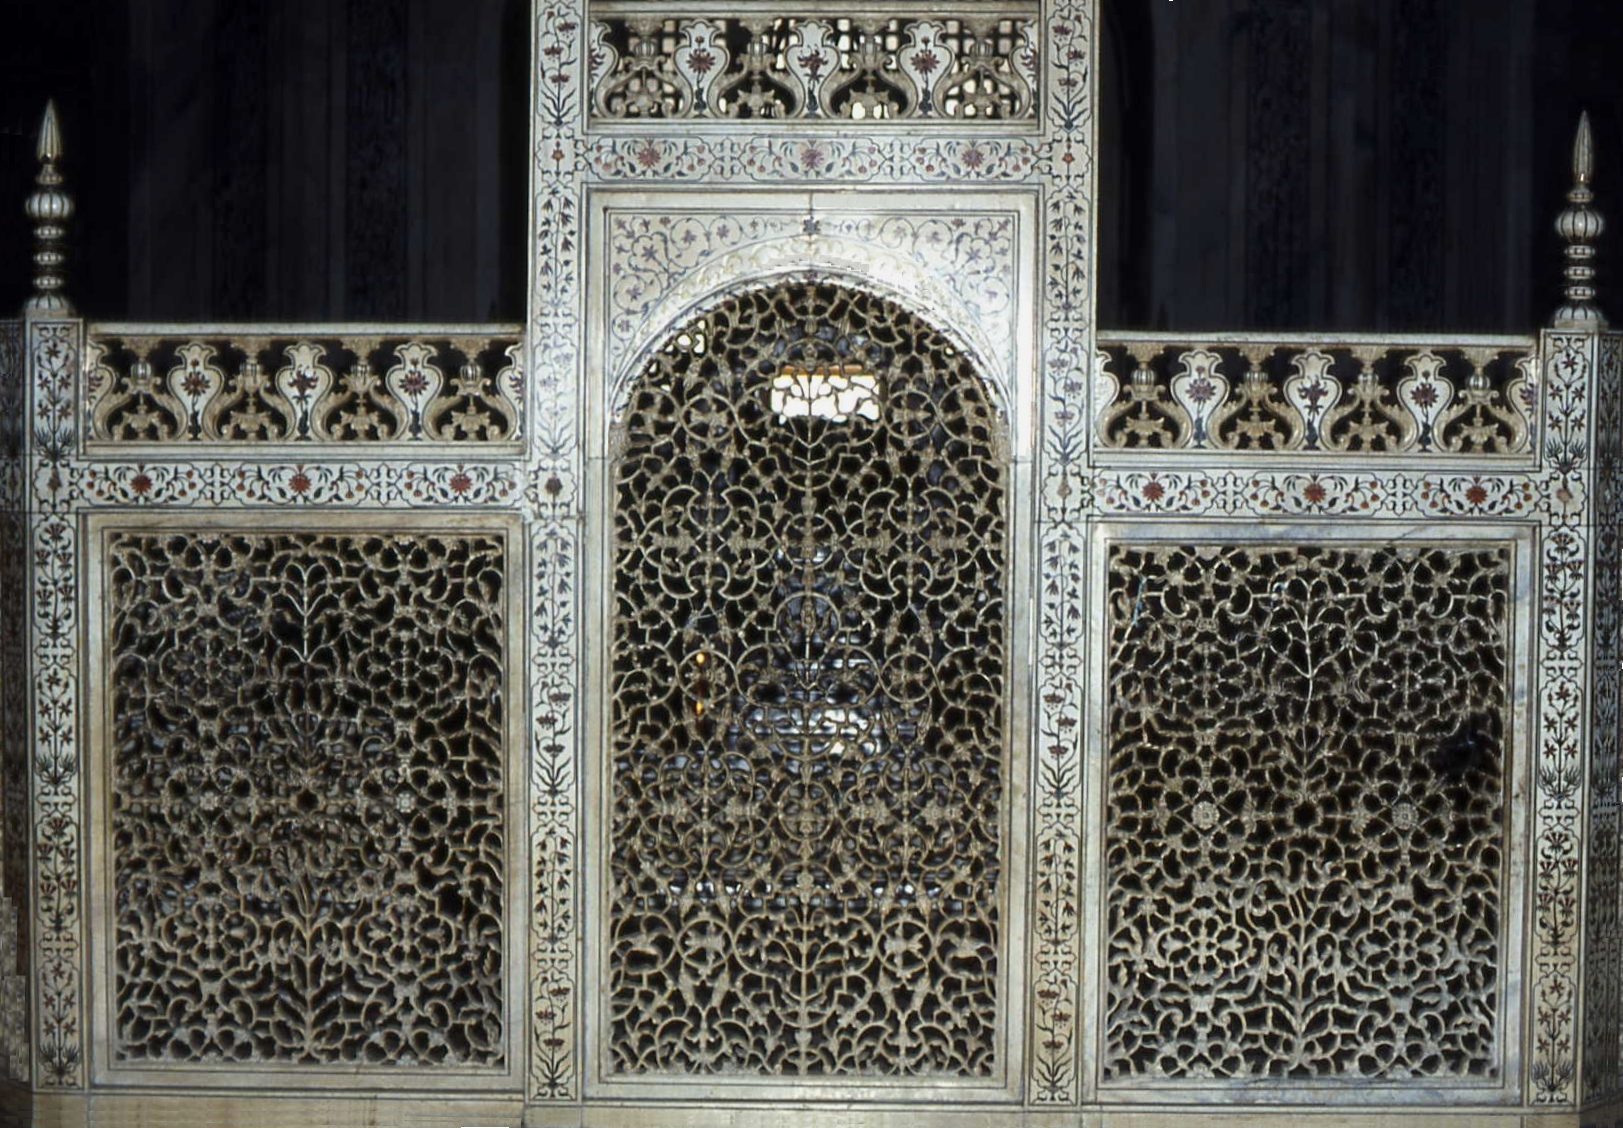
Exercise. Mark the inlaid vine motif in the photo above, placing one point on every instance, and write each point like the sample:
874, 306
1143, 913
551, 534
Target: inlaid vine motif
1305, 841
306, 781
808, 665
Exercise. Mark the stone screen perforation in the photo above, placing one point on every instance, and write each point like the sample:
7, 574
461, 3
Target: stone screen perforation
1305, 811
306, 798
807, 698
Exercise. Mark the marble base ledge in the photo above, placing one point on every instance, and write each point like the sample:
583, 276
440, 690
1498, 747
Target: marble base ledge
689, 1116
152, 1110
149, 1110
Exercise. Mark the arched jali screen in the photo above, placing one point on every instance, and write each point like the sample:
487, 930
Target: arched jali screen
808, 697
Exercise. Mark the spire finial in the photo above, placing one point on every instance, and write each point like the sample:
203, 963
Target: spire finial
50, 208
49, 149
1579, 225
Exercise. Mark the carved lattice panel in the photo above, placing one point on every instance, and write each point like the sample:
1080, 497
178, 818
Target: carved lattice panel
807, 698
306, 746
1305, 838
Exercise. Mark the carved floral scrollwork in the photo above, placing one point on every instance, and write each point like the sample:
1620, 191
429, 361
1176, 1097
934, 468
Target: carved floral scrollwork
964, 69
1305, 840
807, 698
360, 387
1345, 399
307, 801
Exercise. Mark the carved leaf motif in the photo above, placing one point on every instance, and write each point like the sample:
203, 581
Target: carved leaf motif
416, 382
1313, 392
195, 382
602, 61
1425, 393
305, 383
701, 60
814, 63
927, 60
1202, 390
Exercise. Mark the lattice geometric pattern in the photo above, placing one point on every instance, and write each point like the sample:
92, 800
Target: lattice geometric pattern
307, 797
808, 697
1305, 843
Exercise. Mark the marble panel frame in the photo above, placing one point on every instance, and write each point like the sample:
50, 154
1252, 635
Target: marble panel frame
1010, 382
1521, 539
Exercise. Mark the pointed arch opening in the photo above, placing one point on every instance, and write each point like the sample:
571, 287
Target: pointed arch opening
808, 673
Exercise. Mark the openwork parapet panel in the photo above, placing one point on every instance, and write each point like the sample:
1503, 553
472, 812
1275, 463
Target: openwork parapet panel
808, 705
372, 384
976, 67
1357, 398
1305, 846
305, 759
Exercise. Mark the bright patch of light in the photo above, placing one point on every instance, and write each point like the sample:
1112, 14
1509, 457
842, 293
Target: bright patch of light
828, 392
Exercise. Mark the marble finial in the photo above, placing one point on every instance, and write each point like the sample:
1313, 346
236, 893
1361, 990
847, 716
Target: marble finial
1579, 226
49, 208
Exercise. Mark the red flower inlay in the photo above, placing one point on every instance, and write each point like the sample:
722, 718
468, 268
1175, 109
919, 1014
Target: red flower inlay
1425, 396
1314, 493
299, 482
1476, 495
141, 483
414, 383
195, 383
648, 156
925, 62
1154, 491
461, 483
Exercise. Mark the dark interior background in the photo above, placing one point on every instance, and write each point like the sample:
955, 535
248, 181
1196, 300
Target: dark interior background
1289, 164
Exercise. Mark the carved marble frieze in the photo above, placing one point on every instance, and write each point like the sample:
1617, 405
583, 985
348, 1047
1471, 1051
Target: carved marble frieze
1358, 398
369, 385
304, 742
845, 63
1308, 762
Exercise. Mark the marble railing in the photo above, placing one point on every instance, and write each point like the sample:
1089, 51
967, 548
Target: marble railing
1351, 394
153, 383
